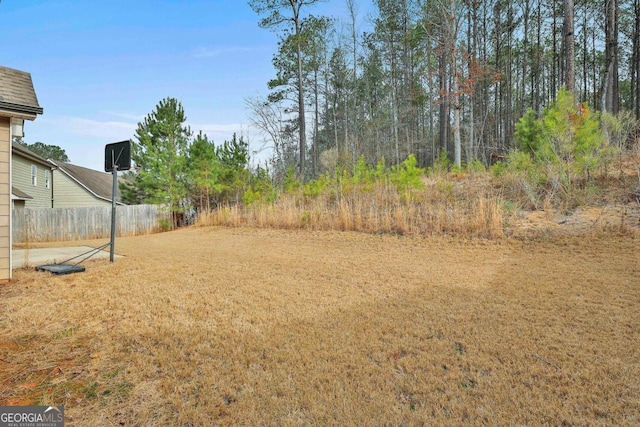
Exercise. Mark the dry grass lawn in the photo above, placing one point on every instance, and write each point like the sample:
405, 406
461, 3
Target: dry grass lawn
217, 326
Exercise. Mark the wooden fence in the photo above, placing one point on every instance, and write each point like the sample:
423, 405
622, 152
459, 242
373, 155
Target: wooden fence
59, 224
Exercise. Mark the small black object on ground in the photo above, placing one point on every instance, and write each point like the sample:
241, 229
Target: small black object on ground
61, 268
66, 268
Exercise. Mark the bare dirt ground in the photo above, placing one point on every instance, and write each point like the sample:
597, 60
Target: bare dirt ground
215, 326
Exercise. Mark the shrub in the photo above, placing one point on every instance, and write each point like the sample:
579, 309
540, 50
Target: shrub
363, 174
559, 151
407, 175
499, 169
316, 187
441, 164
529, 133
164, 225
475, 166
291, 183
250, 197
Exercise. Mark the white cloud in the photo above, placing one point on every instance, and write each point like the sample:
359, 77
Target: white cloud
90, 128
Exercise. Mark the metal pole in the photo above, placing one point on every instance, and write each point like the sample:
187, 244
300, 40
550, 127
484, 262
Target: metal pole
113, 211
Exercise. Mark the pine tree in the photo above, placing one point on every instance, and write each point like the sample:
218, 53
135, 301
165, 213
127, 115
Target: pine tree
204, 172
160, 153
280, 13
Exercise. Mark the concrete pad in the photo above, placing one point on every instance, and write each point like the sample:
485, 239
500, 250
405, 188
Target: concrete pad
36, 257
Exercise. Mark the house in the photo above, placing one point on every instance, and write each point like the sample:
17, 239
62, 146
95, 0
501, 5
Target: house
41, 183
32, 179
18, 102
77, 186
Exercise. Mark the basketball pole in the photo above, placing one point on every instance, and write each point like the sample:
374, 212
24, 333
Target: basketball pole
113, 163
113, 207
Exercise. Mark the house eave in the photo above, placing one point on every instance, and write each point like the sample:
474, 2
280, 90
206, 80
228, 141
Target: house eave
17, 114
17, 149
32, 109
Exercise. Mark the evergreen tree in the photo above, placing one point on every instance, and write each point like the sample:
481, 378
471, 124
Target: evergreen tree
204, 170
160, 154
130, 192
234, 157
51, 152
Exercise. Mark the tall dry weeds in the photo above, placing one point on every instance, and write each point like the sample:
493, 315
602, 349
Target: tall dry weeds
441, 208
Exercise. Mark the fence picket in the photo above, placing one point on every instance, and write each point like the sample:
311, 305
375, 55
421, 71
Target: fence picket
59, 224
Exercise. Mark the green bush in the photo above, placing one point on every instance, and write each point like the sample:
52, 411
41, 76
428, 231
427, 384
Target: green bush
363, 173
441, 164
475, 166
165, 225
291, 183
560, 152
568, 135
250, 197
407, 175
316, 187
529, 133
260, 189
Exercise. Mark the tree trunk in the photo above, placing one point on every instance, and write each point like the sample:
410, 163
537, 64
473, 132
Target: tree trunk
525, 56
351, 7
635, 62
457, 140
301, 115
585, 52
316, 123
508, 116
537, 99
443, 114
610, 92
569, 47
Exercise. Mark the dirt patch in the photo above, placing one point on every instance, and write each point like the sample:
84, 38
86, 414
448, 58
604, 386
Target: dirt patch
210, 326
585, 221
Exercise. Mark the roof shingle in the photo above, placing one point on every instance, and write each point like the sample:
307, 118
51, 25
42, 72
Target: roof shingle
17, 92
25, 152
99, 183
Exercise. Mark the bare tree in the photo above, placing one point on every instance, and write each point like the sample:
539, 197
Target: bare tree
444, 19
270, 118
287, 13
352, 8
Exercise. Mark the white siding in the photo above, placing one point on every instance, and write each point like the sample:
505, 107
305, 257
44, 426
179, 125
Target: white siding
67, 193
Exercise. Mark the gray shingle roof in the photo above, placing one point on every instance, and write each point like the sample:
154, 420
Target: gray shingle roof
17, 92
19, 194
99, 183
25, 152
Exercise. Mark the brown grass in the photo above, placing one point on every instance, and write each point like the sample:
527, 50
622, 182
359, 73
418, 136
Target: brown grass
215, 326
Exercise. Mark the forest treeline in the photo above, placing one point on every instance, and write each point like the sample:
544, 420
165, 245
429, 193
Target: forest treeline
543, 95
436, 76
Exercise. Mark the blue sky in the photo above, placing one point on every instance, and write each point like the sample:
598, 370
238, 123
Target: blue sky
99, 67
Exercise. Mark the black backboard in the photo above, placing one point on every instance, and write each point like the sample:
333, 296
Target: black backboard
117, 154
